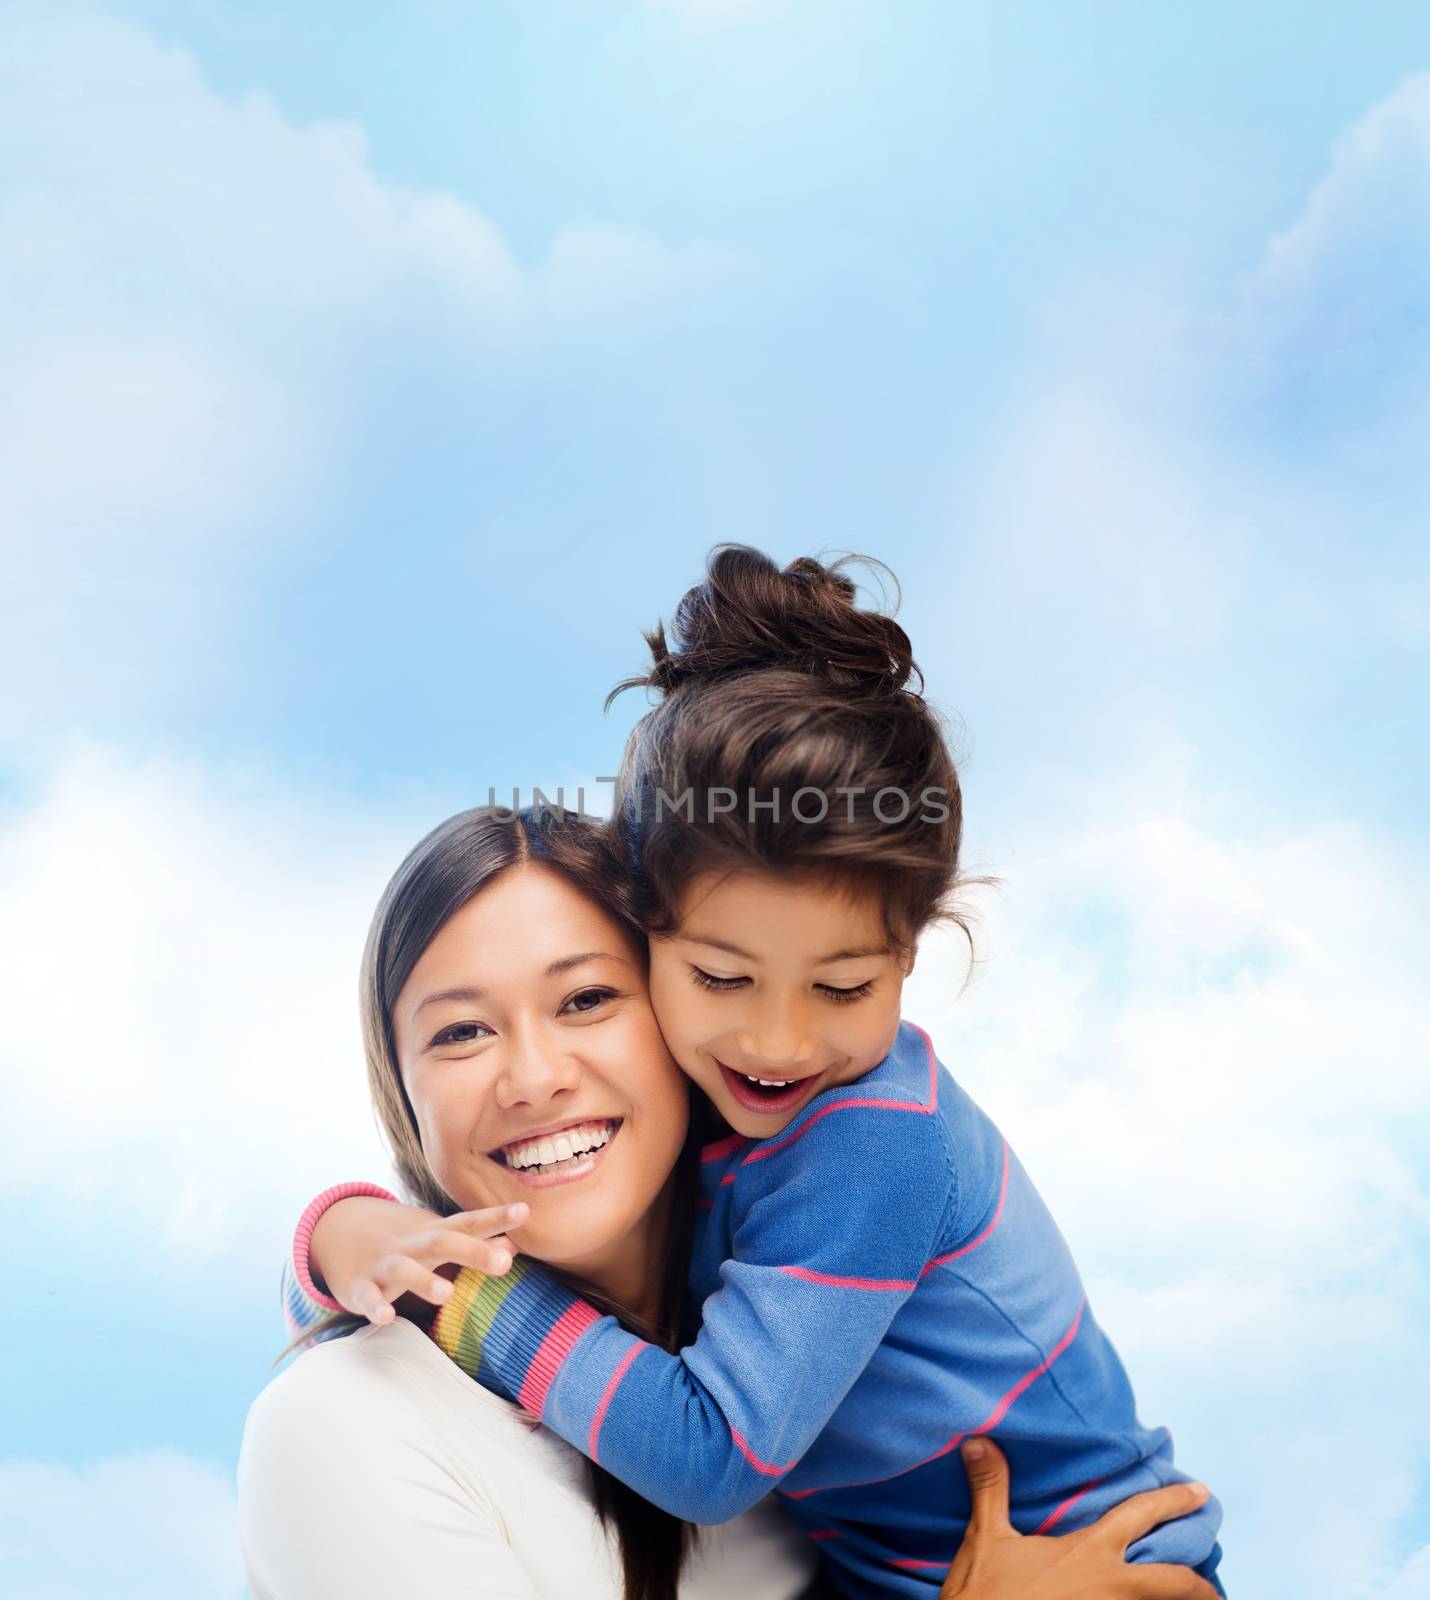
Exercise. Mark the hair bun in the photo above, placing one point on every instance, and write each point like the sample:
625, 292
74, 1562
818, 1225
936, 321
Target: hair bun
748, 614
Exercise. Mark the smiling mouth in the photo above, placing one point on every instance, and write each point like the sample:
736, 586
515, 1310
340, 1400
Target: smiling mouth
569, 1151
769, 1095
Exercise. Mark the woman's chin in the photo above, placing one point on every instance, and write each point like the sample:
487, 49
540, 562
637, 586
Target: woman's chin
572, 1237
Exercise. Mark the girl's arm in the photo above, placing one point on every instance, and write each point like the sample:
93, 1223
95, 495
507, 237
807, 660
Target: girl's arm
358, 1249
828, 1250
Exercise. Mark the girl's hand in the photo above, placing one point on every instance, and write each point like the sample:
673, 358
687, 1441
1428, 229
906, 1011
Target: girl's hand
370, 1252
996, 1562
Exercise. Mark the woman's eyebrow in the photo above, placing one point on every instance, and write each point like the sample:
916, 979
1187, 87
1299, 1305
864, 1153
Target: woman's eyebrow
851, 953
565, 964
465, 993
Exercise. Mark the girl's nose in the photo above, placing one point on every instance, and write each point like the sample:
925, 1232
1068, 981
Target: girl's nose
779, 1044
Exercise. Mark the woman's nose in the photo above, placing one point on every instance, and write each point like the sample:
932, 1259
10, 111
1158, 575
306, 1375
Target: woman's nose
535, 1071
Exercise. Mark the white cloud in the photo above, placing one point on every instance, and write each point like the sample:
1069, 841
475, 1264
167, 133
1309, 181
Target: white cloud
1331, 325
192, 285
181, 1039
1197, 467
1370, 207
1104, 529
152, 1526
1413, 1582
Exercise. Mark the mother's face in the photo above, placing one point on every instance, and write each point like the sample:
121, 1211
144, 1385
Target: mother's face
536, 1071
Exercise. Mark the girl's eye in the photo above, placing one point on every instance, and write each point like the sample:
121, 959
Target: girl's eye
844, 996
724, 985
596, 997
720, 985
460, 1033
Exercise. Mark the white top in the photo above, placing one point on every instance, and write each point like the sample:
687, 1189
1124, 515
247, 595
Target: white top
374, 1466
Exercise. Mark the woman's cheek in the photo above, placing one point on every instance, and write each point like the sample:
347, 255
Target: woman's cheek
445, 1131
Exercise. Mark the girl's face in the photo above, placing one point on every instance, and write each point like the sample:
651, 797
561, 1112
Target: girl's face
536, 1072
774, 976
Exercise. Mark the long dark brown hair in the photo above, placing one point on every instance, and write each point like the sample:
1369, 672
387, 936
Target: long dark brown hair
458, 859
775, 687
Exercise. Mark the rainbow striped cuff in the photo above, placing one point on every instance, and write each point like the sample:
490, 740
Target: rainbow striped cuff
513, 1333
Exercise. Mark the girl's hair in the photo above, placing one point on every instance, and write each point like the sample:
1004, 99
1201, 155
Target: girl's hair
787, 738
457, 860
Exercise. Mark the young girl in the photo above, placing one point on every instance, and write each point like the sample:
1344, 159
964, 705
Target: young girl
871, 1256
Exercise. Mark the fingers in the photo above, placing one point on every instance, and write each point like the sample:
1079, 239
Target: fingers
368, 1300
490, 1219
425, 1260
399, 1275
1155, 1582
396, 1275
987, 1470
472, 1239
1126, 1523
493, 1256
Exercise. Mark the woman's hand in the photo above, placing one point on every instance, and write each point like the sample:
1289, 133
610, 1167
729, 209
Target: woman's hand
996, 1562
371, 1252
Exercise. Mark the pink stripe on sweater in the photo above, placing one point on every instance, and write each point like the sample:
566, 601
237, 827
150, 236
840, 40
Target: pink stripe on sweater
766, 1467
1001, 1409
552, 1352
810, 1276
722, 1147
622, 1367
990, 1422
1057, 1513
973, 1244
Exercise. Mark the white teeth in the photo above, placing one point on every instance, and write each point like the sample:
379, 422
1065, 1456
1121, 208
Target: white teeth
551, 1152
769, 1083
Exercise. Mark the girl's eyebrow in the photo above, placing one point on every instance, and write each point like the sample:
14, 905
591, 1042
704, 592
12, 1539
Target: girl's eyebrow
565, 964
852, 953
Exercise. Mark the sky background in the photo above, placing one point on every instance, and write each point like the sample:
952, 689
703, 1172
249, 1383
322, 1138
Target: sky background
370, 376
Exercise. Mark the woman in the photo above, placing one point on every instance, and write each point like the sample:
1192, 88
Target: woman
373, 1461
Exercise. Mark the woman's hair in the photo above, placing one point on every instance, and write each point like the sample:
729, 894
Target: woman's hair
457, 860
787, 738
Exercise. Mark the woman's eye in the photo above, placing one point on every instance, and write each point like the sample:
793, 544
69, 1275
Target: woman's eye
844, 996
593, 997
720, 985
461, 1033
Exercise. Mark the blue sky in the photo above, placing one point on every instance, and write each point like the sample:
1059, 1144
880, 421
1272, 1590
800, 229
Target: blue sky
369, 379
